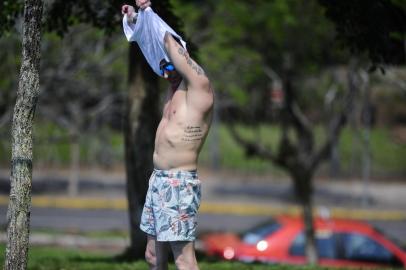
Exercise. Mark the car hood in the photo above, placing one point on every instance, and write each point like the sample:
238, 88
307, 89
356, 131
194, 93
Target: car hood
221, 241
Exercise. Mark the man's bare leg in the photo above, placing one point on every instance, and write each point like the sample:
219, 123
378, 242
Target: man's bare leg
184, 254
156, 254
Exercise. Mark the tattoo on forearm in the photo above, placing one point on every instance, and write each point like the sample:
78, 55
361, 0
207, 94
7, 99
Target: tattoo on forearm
190, 62
192, 134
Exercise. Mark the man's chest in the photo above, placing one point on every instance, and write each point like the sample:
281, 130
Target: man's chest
175, 107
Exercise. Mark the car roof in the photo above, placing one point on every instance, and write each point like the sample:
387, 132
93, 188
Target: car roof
329, 223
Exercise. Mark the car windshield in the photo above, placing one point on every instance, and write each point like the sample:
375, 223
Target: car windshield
258, 233
325, 245
391, 237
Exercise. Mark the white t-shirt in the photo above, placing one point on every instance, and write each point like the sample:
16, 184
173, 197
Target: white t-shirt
149, 32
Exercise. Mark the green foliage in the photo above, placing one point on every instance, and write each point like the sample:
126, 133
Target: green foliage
9, 11
237, 39
61, 15
377, 27
105, 15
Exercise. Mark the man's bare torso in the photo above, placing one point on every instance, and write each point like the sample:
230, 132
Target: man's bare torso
181, 132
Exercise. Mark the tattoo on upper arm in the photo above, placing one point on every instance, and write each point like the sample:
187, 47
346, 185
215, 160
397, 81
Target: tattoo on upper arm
190, 62
192, 134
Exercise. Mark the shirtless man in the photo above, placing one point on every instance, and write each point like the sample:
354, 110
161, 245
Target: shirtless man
173, 198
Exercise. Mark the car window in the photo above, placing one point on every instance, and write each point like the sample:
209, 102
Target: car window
255, 235
359, 247
325, 244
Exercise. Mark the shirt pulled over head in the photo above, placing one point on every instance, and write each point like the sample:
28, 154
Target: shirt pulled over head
149, 32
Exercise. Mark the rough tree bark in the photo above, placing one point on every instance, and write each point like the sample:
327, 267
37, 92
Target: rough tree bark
142, 118
18, 215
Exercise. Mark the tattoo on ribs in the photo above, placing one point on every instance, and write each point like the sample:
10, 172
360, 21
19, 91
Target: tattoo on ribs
192, 134
190, 62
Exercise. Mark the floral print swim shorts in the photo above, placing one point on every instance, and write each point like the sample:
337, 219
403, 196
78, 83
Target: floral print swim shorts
171, 205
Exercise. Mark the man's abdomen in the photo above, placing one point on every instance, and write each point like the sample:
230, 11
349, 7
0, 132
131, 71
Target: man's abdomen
173, 159
177, 146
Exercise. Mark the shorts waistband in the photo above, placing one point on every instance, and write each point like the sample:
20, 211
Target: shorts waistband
176, 174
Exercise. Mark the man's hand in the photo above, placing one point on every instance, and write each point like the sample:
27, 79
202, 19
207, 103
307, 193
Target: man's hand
143, 4
127, 9
130, 11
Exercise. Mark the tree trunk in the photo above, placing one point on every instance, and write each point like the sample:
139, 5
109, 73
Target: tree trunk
18, 215
310, 248
303, 188
142, 118
73, 183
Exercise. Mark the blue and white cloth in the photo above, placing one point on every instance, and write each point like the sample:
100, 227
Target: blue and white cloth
149, 32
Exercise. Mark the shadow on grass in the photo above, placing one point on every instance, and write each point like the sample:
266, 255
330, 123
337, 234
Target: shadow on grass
127, 257
105, 260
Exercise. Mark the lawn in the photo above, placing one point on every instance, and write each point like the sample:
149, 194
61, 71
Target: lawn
51, 258
387, 154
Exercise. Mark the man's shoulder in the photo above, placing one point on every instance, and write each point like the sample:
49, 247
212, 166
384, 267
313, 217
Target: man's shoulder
202, 100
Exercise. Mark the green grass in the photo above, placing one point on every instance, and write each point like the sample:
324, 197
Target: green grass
51, 258
387, 155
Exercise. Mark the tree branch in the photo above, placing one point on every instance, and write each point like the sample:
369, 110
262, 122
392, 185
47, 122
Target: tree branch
251, 148
338, 121
301, 122
294, 115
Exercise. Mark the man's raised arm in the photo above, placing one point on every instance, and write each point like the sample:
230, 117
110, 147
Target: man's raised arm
186, 66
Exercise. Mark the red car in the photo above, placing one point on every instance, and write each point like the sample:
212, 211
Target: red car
339, 243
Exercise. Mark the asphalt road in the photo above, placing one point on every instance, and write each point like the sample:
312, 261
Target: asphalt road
231, 206
109, 220
106, 220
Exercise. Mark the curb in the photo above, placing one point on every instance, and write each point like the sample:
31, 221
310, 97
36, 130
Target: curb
216, 208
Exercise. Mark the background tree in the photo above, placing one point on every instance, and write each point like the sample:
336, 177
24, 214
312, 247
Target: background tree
377, 28
82, 94
289, 42
18, 214
142, 108
285, 41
